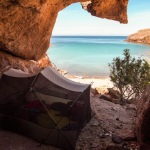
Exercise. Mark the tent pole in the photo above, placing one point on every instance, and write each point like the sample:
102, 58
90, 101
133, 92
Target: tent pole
52, 118
44, 107
71, 106
34, 81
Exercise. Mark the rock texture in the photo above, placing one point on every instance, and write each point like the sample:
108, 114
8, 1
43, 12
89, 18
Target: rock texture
26, 65
143, 119
142, 36
112, 128
26, 26
110, 9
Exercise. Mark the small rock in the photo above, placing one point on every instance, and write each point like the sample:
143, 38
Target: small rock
105, 98
107, 134
116, 139
95, 92
124, 145
131, 107
117, 119
113, 93
113, 109
102, 135
128, 136
116, 101
119, 126
95, 123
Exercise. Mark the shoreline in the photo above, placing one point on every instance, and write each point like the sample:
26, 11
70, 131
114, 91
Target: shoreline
67, 75
135, 42
98, 84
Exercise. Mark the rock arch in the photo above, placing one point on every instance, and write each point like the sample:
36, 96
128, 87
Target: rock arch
26, 27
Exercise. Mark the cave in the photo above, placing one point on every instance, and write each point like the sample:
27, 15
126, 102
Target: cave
24, 40
26, 28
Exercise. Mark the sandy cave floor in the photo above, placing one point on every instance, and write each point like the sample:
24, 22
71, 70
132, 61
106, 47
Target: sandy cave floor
111, 125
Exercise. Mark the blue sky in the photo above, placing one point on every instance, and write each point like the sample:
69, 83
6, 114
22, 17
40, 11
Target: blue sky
73, 20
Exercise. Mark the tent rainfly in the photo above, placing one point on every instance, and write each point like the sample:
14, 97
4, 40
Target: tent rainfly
44, 106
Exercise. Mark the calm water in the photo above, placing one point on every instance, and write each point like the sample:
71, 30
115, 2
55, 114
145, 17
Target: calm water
90, 55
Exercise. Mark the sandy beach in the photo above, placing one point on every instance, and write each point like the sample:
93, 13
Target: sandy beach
100, 84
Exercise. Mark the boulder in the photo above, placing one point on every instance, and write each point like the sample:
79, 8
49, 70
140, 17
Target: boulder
110, 9
143, 118
105, 97
26, 65
113, 93
116, 139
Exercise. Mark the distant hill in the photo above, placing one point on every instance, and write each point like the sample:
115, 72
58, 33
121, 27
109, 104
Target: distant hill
142, 36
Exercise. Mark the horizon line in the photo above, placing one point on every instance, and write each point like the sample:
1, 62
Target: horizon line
90, 35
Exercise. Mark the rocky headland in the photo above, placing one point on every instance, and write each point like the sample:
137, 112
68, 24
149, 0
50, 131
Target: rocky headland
142, 36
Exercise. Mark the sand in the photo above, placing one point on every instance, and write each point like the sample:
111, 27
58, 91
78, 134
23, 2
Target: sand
100, 84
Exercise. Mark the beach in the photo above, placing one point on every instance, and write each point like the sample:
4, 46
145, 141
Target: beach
98, 84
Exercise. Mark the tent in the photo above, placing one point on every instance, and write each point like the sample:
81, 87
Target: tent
45, 106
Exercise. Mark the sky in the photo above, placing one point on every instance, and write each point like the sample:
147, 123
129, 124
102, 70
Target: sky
74, 20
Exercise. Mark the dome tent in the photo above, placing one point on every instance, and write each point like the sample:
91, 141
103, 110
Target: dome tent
44, 106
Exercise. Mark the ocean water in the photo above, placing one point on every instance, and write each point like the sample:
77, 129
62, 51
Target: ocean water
90, 55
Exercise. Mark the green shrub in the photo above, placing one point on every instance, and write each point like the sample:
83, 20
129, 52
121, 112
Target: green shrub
130, 76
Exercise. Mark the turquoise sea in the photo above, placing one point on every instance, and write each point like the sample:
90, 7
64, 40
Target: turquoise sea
90, 55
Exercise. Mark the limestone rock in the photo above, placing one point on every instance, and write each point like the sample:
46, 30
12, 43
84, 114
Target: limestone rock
110, 9
116, 139
29, 66
85, 4
26, 26
143, 118
113, 93
142, 36
105, 97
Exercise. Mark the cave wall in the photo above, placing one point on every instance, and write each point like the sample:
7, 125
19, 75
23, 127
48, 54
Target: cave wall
143, 120
26, 26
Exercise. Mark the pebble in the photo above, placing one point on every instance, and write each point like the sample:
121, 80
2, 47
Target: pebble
116, 139
117, 119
